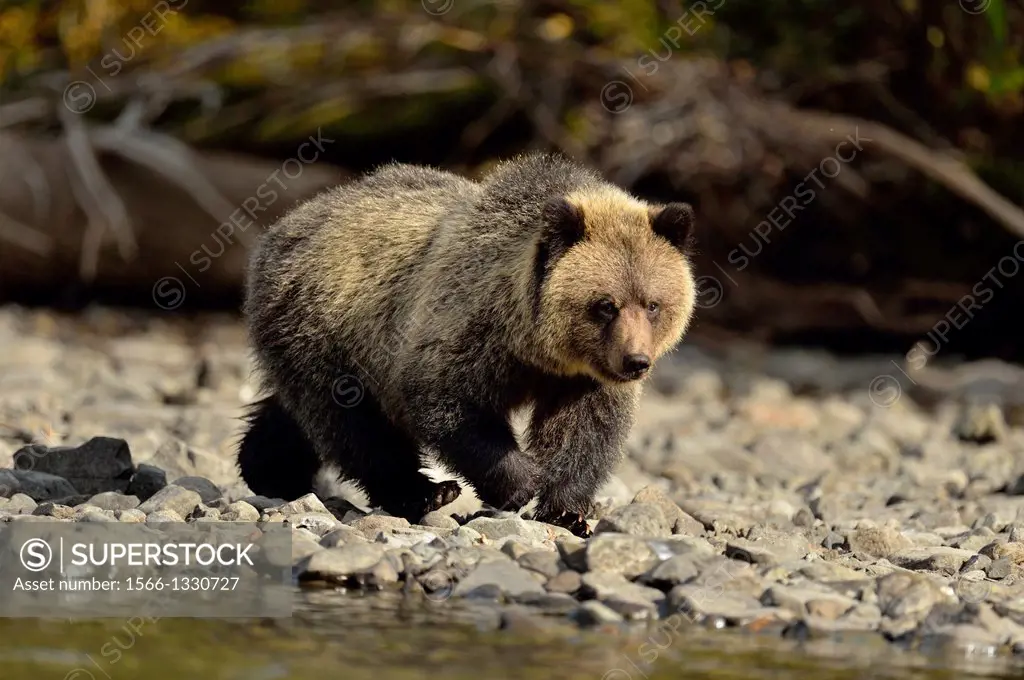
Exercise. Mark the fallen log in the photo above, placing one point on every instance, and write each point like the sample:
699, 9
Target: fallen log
195, 230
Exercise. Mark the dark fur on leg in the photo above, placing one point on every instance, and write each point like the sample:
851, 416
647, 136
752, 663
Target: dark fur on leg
275, 458
373, 452
483, 449
461, 302
578, 435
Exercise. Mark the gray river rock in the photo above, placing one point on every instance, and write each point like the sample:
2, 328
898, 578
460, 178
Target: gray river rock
754, 493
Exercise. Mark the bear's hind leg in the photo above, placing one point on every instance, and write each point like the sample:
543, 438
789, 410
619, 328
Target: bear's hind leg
274, 457
481, 447
386, 463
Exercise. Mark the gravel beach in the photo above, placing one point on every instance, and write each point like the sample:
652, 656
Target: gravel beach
789, 493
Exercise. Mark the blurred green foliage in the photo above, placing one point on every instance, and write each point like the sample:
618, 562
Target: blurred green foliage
951, 63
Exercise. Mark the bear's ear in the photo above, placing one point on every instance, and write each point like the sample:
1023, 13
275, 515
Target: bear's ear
563, 222
674, 222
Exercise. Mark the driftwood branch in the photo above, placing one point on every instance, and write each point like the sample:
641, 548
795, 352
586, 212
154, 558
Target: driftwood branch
168, 158
936, 165
24, 236
97, 198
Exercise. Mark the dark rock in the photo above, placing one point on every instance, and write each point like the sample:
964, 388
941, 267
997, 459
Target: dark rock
146, 482
339, 507
100, 464
262, 503
206, 489
40, 486
79, 499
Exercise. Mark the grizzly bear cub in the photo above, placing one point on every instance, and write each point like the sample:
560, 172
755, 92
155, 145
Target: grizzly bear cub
415, 310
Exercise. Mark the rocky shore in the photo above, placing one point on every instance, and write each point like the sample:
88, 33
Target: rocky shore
786, 493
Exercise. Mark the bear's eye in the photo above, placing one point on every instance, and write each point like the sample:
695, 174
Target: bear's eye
604, 310
653, 308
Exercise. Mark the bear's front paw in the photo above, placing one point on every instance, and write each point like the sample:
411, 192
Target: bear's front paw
575, 522
444, 493
512, 499
511, 484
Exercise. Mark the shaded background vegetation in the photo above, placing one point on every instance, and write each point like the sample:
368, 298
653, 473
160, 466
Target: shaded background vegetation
131, 129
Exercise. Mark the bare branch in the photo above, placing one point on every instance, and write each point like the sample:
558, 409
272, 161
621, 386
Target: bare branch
24, 111
168, 157
22, 235
39, 185
939, 166
96, 196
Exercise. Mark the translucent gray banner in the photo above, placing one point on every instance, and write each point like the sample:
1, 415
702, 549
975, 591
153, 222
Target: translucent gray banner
201, 570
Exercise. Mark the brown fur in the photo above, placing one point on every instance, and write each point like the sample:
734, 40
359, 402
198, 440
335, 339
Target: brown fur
620, 258
454, 302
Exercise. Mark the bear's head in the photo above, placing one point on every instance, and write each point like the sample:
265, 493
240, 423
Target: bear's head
616, 287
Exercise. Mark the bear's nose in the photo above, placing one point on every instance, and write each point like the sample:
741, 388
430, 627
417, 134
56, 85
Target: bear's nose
635, 363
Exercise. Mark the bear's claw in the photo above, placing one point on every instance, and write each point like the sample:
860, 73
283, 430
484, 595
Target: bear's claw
444, 493
575, 522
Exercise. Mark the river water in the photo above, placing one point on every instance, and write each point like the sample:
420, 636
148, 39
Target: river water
387, 637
